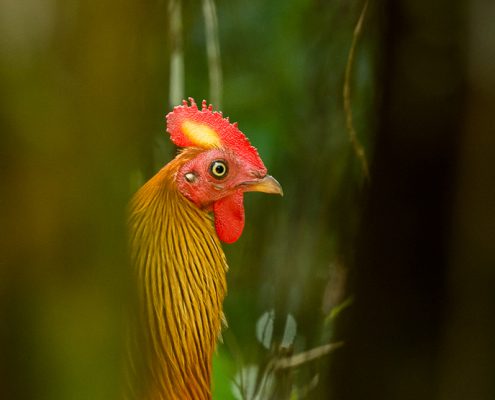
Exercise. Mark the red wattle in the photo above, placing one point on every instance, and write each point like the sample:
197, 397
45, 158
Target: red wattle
229, 217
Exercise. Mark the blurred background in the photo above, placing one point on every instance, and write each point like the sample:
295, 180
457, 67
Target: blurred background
373, 277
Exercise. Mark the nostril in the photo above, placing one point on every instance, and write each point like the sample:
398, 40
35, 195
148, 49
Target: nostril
258, 174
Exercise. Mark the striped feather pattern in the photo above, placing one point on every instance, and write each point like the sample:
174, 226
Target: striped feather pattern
180, 268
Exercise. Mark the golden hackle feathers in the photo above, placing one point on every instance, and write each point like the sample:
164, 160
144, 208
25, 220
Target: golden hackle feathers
180, 267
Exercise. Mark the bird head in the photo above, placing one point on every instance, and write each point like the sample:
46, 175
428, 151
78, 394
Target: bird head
221, 167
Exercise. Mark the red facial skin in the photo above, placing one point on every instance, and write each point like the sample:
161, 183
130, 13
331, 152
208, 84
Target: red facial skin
223, 196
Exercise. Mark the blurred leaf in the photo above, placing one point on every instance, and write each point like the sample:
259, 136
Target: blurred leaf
289, 331
338, 309
247, 387
264, 328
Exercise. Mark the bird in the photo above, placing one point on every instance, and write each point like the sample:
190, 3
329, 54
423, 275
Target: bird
177, 221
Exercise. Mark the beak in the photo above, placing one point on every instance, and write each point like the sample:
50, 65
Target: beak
268, 184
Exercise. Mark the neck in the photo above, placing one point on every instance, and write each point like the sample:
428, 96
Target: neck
180, 268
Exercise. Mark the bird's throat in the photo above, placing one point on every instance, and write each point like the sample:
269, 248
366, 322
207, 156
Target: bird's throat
229, 217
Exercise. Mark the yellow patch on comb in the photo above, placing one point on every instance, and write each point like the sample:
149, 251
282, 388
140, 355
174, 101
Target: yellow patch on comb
200, 134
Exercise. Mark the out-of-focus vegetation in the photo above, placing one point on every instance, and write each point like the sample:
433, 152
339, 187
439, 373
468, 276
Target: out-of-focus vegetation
283, 66
403, 285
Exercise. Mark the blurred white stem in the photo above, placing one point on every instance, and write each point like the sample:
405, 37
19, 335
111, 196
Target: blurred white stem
213, 52
302, 358
176, 84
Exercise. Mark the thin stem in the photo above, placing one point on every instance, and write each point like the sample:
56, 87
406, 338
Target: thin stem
358, 148
213, 52
176, 86
302, 358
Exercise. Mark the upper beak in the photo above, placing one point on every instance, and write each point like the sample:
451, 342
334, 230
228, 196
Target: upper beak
268, 184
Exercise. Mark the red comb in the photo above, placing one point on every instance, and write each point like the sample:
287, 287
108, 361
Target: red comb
188, 126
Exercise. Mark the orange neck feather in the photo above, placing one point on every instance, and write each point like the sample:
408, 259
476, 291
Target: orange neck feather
180, 268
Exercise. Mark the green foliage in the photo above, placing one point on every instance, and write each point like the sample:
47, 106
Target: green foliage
223, 374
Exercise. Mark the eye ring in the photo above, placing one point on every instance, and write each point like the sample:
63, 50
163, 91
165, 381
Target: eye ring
219, 169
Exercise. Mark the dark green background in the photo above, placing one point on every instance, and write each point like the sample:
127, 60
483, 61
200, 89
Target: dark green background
84, 92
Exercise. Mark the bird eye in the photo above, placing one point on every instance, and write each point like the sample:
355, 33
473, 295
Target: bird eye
218, 169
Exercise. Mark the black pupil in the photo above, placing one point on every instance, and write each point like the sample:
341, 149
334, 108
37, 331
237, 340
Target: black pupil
218, 169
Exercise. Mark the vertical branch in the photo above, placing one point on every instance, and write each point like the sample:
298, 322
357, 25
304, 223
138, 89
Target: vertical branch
176, 87
351, 131
213, 52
